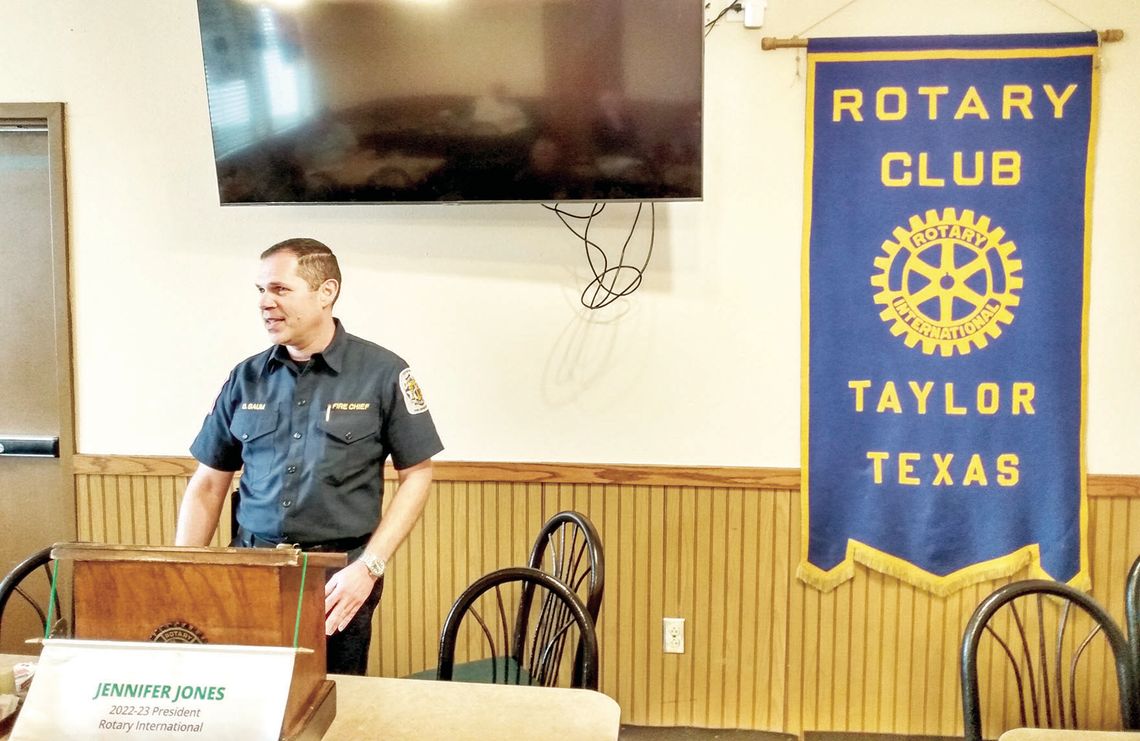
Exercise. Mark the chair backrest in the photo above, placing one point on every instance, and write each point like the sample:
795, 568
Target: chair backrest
569, 548
14, 585
1132, 616
525, 619
1041, 639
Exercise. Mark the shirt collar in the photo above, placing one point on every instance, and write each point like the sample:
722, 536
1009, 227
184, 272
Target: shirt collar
332, 357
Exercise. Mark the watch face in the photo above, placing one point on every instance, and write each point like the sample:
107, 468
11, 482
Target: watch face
375, 565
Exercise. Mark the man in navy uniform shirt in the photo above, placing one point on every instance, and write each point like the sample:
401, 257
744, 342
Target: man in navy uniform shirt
310, 422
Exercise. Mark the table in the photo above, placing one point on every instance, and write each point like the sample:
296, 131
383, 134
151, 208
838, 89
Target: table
380, 707
871, 735
1052, 734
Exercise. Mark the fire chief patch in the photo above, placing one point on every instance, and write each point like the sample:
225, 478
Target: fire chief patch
413, 394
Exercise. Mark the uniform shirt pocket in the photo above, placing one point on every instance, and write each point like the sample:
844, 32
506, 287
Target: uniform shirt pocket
350, 445
254, 430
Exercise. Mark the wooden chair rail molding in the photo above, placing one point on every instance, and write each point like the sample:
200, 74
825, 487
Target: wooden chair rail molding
560, 473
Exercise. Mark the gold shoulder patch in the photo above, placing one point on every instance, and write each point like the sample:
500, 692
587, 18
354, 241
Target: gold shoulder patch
413, 394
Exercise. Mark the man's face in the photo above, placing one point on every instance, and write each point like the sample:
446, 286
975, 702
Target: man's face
293, 313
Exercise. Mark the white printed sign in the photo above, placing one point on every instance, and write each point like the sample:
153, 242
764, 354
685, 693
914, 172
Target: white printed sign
118, 689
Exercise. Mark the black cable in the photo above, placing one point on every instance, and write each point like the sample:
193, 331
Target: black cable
731, 6
596, 209
603, 294
613, 272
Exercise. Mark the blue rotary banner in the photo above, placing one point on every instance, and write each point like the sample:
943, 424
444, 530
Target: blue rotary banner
946, 241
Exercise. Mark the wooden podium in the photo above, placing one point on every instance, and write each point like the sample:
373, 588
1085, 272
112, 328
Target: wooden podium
240, 596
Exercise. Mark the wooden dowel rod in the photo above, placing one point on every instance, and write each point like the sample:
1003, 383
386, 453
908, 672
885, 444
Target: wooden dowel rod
768, 43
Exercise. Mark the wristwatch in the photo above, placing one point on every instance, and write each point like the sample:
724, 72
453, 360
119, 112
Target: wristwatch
374, 565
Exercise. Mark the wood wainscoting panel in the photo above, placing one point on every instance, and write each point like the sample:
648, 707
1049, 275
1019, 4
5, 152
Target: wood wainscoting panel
133, 508
716, 546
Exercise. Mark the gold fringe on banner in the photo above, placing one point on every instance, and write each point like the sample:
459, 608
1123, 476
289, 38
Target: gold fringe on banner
940, 586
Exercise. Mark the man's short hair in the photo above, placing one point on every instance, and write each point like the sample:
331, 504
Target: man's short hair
316, 263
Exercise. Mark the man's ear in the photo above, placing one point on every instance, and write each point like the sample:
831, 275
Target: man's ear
328, 291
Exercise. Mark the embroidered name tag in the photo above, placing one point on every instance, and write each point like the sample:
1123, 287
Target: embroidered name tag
252, 407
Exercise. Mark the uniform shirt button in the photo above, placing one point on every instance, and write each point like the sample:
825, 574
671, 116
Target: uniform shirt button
348, 436
296, 436
291, 469
245, 436
302, 403
287, 503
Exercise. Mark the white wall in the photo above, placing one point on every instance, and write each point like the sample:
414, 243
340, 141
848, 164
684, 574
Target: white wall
700, 366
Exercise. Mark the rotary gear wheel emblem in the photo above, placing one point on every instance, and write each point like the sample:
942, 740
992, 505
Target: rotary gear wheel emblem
948, 282
177, 631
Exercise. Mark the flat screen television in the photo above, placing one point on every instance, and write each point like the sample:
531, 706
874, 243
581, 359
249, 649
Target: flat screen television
420, 101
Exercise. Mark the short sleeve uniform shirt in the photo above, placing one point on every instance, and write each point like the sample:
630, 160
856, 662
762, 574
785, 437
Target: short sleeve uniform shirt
312, 439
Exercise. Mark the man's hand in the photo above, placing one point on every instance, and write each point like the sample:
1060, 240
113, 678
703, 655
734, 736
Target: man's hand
345, 592
349, 587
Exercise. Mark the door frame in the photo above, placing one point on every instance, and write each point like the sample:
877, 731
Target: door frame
16, 114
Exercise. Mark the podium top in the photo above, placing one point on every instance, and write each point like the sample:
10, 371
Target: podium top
275, 557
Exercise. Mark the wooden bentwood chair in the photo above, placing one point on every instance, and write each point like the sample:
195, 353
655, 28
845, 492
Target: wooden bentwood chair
16, 583
523, 621
569, 548
1132, 617
1043, 640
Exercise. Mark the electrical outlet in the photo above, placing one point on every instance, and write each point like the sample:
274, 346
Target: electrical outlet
674, 631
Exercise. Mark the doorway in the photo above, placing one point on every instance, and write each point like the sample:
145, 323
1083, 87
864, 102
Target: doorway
37, 492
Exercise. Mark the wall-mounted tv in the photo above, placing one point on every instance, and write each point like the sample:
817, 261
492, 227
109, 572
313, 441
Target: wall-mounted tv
422, 101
